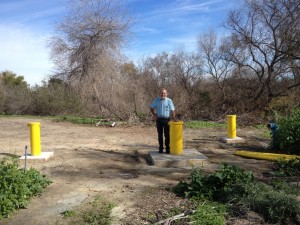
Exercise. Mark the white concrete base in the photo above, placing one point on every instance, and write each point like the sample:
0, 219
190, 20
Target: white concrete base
233, 140
188, 158
44, 156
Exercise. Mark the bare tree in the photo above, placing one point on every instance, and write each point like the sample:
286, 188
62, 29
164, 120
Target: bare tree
215, 62
87, 48
267, 33
180, 72
92, 29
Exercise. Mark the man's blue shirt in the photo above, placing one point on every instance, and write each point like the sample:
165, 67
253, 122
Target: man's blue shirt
163, 108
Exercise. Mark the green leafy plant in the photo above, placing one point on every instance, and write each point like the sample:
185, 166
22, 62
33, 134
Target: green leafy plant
288, 137
219, 185
18, 186
194, 186
233, 187
229, 183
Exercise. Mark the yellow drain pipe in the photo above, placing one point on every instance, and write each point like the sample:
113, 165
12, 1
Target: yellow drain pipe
265, 155
35, 140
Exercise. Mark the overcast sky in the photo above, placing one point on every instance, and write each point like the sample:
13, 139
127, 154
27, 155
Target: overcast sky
163, 25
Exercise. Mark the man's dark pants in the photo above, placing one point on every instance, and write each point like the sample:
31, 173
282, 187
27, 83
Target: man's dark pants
163, 129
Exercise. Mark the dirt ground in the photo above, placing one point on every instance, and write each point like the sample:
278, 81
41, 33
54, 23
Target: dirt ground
113, 162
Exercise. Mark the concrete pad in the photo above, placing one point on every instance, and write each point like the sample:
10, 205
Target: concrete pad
43, 157
233, 140
188, 158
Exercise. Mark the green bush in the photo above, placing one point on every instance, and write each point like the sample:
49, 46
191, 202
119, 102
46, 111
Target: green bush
239, 191
194, 186
276, 206
55, 98
18, 186
288, 168
288, 136
221, 185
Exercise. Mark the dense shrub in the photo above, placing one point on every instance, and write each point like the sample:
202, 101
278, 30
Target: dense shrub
55, 99
276, 206
287, 168
288, 137
221, 185
238, 190
18, 186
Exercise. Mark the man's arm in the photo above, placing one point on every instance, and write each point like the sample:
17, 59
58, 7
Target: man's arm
153, 113
173, 115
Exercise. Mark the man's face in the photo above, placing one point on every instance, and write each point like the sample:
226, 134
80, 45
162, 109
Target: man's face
163, 94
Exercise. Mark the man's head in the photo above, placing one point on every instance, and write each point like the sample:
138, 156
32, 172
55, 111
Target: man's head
163, 93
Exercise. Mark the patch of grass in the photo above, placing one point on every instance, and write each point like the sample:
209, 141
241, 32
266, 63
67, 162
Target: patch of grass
265, 131
209, 213
82, 120
203, 124
97, 211
68, 213
282, 185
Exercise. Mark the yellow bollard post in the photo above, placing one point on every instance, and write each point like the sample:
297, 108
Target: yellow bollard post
176, 139
231, 126
35, 140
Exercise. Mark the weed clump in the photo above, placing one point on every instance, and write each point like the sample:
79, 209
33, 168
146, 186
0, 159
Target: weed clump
232, 186
18, 186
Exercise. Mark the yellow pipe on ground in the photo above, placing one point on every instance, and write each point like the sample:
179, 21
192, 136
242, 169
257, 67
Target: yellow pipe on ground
35, 140
176, 137
231, 126
265, 155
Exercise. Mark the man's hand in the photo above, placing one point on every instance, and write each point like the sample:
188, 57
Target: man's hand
154, 117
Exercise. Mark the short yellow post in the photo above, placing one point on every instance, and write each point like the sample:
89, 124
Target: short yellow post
231, 126
35, 139
176, 139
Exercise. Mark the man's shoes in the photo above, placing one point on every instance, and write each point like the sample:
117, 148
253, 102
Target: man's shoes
160, 151
168, 152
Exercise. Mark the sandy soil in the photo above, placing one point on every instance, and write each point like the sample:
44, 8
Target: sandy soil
113, 162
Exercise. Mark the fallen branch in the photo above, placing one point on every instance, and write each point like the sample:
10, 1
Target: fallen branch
176, 217
106, 120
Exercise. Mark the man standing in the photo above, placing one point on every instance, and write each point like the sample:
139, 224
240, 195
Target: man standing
162, 110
